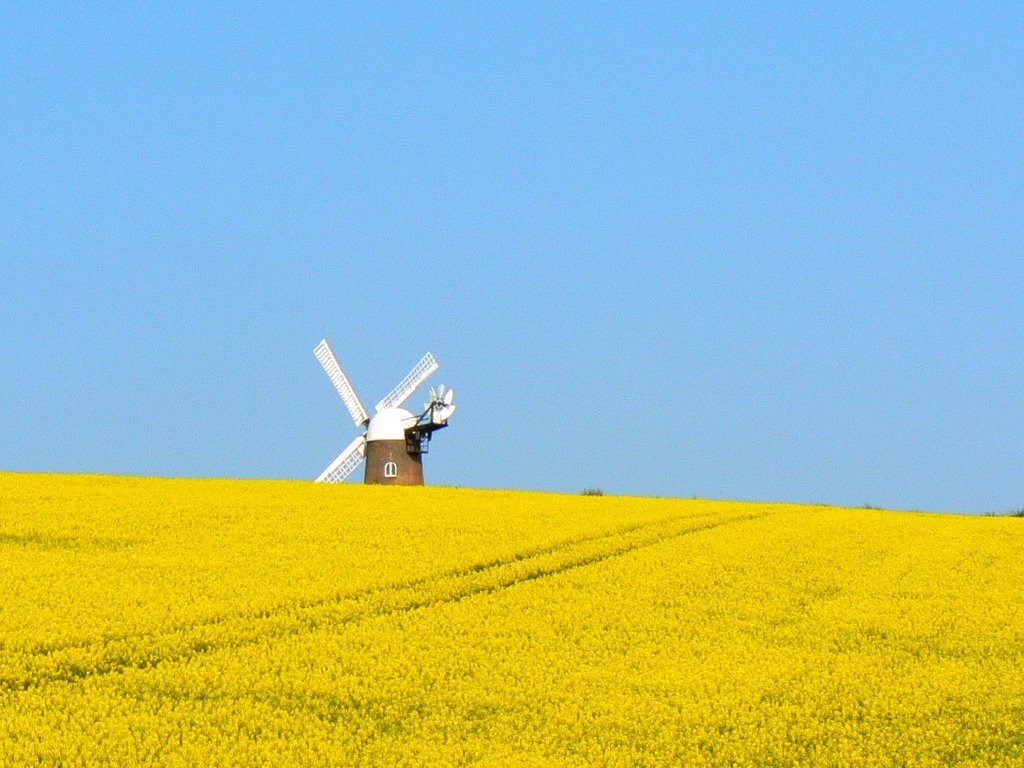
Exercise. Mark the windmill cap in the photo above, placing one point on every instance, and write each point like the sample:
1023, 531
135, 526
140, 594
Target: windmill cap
389, 424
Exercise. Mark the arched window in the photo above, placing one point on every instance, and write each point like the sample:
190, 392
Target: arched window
390, 469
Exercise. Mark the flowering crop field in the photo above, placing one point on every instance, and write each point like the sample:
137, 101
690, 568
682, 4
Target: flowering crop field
224, 622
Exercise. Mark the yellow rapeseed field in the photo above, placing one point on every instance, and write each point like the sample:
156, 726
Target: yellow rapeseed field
221, 622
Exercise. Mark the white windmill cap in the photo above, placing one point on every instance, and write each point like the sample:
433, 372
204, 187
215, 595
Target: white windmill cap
390, 424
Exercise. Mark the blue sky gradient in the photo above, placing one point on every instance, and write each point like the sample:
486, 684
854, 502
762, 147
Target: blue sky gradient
725, 251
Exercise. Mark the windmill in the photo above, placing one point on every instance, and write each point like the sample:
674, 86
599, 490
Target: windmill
395, 439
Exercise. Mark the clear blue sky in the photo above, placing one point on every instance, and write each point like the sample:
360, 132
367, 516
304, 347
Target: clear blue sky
725, 251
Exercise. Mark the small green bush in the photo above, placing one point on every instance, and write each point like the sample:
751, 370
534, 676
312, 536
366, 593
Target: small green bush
593, 492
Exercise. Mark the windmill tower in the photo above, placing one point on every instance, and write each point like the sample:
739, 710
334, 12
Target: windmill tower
395, 439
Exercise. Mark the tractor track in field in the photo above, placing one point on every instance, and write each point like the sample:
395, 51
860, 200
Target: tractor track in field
113, 655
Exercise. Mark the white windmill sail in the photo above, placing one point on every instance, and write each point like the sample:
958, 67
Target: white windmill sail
345, 464
441, 405
423, 370
341, 383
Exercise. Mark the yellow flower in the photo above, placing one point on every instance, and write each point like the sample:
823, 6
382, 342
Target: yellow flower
215, 622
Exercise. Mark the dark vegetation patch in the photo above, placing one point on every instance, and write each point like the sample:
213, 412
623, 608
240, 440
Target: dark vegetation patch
1015, 513
52, 541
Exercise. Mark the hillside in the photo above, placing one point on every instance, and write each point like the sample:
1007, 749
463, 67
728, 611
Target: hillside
223, 622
